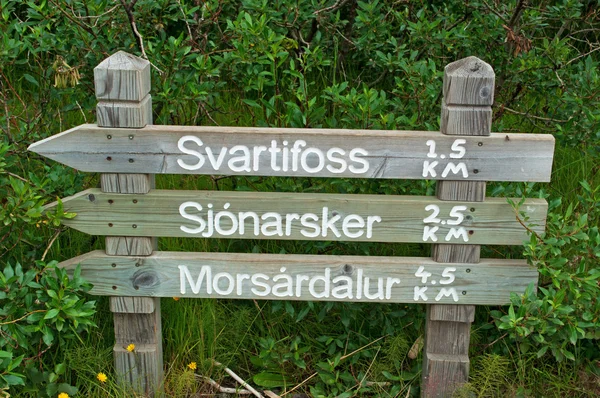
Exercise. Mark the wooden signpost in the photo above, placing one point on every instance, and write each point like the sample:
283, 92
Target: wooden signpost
462, 157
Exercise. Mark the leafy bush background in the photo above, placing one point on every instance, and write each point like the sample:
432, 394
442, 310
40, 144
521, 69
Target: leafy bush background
347, 64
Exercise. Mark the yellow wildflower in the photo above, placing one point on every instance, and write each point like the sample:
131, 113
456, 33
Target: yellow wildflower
176, 298
63, 395
102, 377
192, 365
131, 347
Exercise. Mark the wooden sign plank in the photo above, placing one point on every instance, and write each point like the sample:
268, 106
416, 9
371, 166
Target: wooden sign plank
302, 152
304, 277
296, 216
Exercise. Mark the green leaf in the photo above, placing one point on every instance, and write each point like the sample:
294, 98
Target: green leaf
52, 313
270, 380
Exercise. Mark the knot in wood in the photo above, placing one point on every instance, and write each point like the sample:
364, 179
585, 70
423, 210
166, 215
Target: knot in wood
145, 278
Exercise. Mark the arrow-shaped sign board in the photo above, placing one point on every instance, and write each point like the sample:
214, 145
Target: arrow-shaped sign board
304, 277
302, 152
276, 215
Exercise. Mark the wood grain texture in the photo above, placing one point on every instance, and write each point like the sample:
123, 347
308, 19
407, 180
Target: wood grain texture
469, 82
157, 213
159, 275
458, 313
145, 372
466, 110
455, 119
130, 246
125, 114
122, 84
133, 305
451, 371
391, 154
122, 77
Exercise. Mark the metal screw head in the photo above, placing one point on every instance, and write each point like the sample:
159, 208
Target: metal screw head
110, 224
108, 158
131, 137
130, 160
91, 197
464, 292
472, 209
134, 226
135, 201
109, 136
114, 288
480, 143
110, 201
471, 232
476, 171
136, 287
113, 265
468, 270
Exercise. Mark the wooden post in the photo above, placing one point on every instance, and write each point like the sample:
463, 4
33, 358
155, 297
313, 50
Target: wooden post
466, 110
122, 83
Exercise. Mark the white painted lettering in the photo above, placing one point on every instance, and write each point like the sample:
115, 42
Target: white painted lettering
274, 149
182, 148
420, 293
216, 163
257, 150
429, 233
329, 224
320, 156
184, 273
353, 221
289, 218
276, 224
287, 285
379, 294
326, 284
446, 292
343, 164
455, 169
192, 217
305, 223
256, 280
239, 280
457, 233
295, 151
429, 168
233, 221
370, 221
246, 214
342, 287
231, 284
353, 157
244, 159
389, 283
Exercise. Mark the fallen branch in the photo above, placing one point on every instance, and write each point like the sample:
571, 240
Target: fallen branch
546, 119
240, 380
226, 390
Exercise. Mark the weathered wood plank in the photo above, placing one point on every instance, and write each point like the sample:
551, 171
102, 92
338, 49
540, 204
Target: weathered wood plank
276, 215
122, 77
451, 372
466, 111
122, 83
144, 370
307, 152
290, 277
